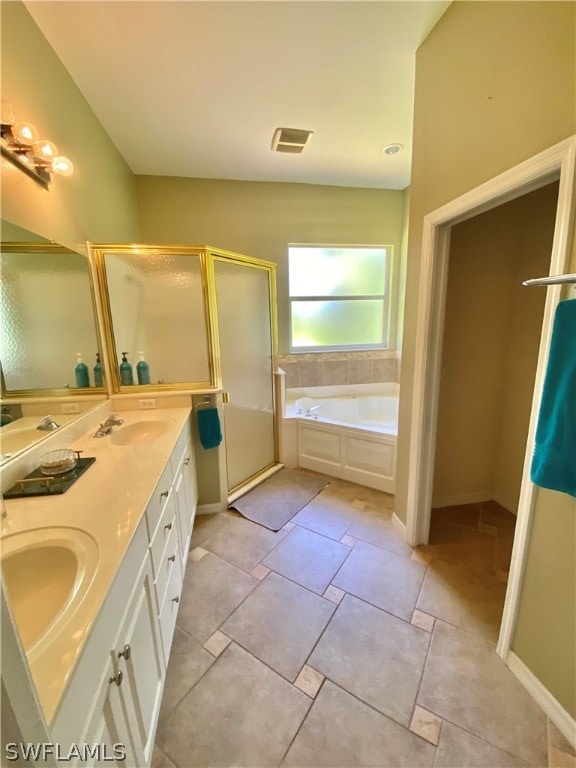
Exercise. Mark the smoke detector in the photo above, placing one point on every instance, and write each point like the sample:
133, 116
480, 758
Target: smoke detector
292, 140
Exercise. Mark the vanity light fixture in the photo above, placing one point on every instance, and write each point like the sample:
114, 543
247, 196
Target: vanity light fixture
21, 145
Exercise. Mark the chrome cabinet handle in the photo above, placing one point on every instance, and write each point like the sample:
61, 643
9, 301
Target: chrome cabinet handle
117, 678
172, 558
187, 460
168, 527
126, 652
164, 494
175, 599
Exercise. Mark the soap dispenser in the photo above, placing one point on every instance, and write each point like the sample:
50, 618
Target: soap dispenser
81, 372
143, 370
126, 375
98, 371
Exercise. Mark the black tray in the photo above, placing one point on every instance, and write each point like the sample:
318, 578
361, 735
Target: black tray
48, 485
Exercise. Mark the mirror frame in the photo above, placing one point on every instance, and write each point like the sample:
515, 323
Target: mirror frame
98, 252
69, 392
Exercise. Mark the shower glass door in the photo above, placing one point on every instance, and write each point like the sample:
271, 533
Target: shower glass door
245, 303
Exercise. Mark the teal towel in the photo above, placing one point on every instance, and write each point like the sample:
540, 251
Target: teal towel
209, 427
554, 459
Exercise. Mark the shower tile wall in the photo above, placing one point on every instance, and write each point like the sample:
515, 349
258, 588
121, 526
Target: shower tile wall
336, 368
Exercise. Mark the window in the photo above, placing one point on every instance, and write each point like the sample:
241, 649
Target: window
338, 297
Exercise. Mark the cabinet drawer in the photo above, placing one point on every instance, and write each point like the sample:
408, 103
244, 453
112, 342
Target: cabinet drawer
169, 610
169, 560
157, 500
166, 526
180, 448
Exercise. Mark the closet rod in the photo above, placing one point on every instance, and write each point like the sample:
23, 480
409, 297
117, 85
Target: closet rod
552, 280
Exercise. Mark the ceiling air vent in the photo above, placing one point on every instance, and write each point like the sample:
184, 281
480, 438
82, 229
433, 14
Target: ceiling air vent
293, 140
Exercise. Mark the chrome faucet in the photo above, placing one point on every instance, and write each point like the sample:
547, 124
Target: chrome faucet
47, 424
313, 410
105, 428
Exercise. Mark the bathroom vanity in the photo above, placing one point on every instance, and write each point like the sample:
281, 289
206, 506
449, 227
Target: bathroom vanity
99, 665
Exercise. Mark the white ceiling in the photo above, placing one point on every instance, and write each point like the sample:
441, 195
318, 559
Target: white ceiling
197, 88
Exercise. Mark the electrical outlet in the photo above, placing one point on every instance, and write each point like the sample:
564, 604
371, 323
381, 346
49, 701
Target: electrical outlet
147, 404
70, 408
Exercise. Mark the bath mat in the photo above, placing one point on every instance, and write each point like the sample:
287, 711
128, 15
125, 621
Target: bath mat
275, 501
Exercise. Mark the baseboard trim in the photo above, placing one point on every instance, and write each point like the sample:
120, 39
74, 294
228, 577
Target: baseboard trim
210, 509
463, 498
551, 706
399, 523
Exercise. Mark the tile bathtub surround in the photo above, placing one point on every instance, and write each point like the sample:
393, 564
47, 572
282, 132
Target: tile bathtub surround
338, 368
329, 655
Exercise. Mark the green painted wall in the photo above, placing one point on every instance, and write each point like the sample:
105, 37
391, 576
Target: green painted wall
98, 202
260, 219
495, 85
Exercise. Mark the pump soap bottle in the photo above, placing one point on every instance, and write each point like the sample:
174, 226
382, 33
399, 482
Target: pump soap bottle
98, 371
126, 376
81, 372
143, 370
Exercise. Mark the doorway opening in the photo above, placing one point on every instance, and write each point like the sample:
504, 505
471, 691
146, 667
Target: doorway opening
553, 165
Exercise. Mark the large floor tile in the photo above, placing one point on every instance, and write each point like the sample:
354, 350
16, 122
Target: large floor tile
377, 527
469, 601
341, 732
188, 662
462, 514
212, 590
494, 514
241, 713
461, 546
243, 543
374, 655
383, 578
307, 558
466, 683
327, 515
206, 526
280, 622
459, 749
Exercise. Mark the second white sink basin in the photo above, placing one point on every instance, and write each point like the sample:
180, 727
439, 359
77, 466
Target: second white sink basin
17, 439
47, 572
139, 432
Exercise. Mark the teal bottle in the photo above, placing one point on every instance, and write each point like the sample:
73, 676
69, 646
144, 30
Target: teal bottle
97, 371
143, 370
81, 372
126, 375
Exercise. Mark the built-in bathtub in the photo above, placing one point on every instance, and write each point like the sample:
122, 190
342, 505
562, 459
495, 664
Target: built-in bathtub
346, 432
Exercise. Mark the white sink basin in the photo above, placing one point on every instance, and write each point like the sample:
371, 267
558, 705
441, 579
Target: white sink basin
140, 432
47, 572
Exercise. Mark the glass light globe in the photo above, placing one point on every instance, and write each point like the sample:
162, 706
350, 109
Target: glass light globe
25, 133
7, 116
62, 166
44, 149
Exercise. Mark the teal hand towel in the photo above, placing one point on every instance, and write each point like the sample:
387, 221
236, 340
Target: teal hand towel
209, 427
554, 458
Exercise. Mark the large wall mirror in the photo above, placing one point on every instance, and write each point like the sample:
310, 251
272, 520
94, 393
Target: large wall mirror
47, 317
157, 308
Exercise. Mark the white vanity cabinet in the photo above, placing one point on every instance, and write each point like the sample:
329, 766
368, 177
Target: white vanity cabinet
115, 691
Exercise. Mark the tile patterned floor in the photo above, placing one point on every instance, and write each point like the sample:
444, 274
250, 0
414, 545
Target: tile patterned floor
333, 643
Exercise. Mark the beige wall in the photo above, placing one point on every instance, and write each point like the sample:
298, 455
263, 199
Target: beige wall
260, 219
98, 202
495, 85
490, 349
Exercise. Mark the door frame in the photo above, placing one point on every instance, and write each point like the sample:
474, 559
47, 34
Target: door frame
555, 163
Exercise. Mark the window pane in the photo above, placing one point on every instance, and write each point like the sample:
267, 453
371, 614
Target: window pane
337, 271
337, 323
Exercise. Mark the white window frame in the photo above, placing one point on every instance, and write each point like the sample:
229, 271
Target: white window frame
385, 297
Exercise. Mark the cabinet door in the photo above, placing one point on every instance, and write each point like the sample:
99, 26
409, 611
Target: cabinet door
111, 735
140, 659
186, 494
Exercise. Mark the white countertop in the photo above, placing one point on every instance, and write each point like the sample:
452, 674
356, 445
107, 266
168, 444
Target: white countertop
107, 503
